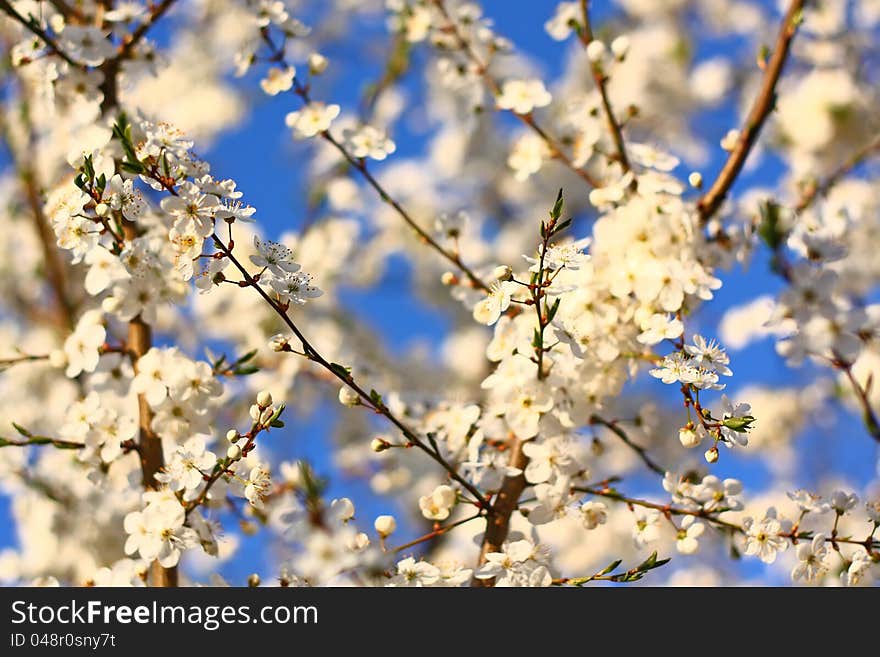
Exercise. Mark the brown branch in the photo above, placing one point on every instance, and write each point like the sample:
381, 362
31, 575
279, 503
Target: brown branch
512, 487
423, 235
41, 440
638, 449
34, 28
869, 416
818, 189
764, 103
506, 502
56, 268
140, 341
439, 531
66, 10
586, 37
361, 166
25, 358
712, 517
371, 401
150, 445
132, 40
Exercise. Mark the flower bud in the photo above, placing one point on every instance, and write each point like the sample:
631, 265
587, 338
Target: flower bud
57, 358
448, 278
711, 455
264, 398
232, 436
730, 140
57, 23
343, 508
620, 46
379, 445
358, 542
695, 179
233, 453
266, 415
317, 63
279, 342
688, 437
385, 525
596, 51
348, 397
502, 273
102, 209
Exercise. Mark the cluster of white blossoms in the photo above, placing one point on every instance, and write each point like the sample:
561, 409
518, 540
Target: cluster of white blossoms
820, 315
545, 438
158, 532
519, 563
181, 392
282, 274
698, 364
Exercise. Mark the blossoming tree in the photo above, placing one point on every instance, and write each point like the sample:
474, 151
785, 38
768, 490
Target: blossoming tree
158, 345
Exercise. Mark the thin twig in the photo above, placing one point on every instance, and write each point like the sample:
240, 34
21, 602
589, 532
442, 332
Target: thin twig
869, 416
366, 399
33, 27
526, 119
638, 449
818, 189
711, 517
512, 486
141, 30
586, 37
360, 165
436, 532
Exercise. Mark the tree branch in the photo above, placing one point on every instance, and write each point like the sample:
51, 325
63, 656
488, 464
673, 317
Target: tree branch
33, 27
586, 37
764, 103
712, 517
132, 40
526, 119
638, 449
371, 401
819, 189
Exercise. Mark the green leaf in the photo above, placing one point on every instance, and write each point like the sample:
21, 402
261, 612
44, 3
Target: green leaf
24, 432
610, 567
770, 229
537, 341
739, 424
276, 414
133, 167
648, 563
562, 226
556, 212
432, 438
248, 356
